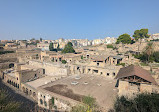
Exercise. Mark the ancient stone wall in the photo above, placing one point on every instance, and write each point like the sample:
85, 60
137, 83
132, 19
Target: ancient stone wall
50, 68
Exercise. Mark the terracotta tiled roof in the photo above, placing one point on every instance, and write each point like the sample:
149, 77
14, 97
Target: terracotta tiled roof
137, 71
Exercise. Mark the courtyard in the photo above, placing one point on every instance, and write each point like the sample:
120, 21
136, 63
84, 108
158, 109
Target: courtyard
76, 86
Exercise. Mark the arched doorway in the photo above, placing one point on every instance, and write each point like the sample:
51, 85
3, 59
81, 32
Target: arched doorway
30, 92
14, 84
34, 94
11, 65
23, 89
27, 91
3, 76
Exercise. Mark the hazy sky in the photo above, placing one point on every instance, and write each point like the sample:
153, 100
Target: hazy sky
53, 19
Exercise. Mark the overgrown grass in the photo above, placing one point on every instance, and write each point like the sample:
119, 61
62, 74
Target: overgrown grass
143, 64
110, 46
89, 105
123, 64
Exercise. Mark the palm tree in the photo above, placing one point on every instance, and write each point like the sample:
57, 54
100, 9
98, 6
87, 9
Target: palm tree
149, 50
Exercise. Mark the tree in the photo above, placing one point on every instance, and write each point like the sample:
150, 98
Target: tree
37, 41
41, 39
32, 39
51, 47
148, 50
58, 47
156, 56
68, 48
140, 34
70, 44
144, 102
124, 38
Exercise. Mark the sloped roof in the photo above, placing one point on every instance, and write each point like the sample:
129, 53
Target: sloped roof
135, 70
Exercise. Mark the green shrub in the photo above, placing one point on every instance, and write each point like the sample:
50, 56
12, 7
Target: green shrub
110, 46
123, 64
53, 101
153, 57
143, 64
156, 56
81, 57
89, 105
64, 61
68, 48
144, 102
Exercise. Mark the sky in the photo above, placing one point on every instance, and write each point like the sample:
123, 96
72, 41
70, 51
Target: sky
76, 19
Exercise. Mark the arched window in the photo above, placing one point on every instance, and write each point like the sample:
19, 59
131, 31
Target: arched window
30, 92
35, 76
43, 71
34, 94
11, 65
45, 103
41, 101
27, 91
